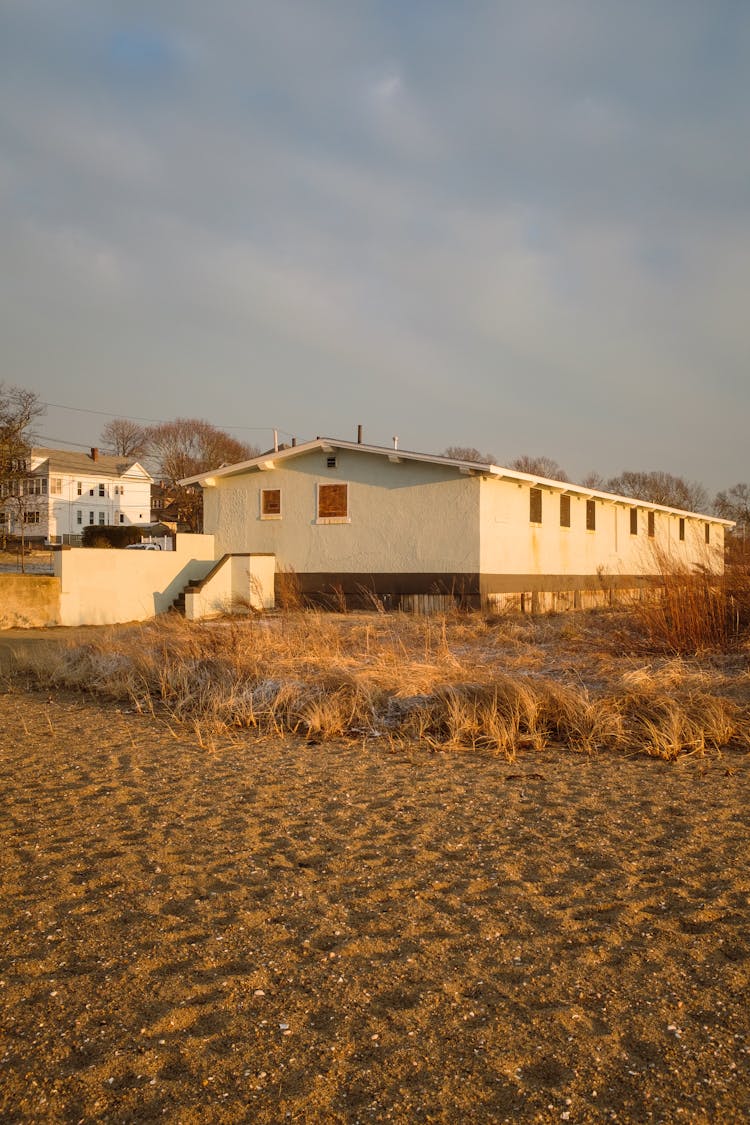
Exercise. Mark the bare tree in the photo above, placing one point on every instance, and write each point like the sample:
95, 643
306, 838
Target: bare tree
538, 467
593, 479
125, 438
189, 446
18, 410
468, 453
660, 488
734, 504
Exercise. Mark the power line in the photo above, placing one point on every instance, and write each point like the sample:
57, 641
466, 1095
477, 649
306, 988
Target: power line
153, 421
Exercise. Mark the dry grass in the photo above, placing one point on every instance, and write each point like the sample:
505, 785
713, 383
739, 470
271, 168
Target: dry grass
500, 685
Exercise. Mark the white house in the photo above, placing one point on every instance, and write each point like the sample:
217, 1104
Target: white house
358, 519
65, 492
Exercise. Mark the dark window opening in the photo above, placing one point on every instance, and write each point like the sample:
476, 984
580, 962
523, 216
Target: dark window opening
591, 515
708, 532
651, 524
564, 511
682, 529
535, 505
333, 501
633, 521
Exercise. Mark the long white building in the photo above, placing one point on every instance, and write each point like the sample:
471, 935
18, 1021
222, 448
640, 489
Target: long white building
64, 492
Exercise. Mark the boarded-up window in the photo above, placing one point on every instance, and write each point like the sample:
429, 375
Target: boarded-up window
270, 503
707, 532
651, 524
633, 521
535, 505
682, 528
591, 515
333, 501
564, 511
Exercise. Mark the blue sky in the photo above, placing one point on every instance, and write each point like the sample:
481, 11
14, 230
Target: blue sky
519, 226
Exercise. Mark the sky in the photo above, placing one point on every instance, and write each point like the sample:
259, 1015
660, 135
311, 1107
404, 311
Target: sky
519, 226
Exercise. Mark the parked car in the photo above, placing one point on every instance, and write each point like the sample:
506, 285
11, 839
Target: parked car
143, 547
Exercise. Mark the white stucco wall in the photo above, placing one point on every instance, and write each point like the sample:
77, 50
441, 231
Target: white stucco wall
409, 517
107, 587
511, 544
244, 579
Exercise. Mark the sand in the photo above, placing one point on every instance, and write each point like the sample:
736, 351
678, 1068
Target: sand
277, 931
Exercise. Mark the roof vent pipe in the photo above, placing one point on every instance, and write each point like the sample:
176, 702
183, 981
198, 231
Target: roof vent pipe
395, 441
294, 442
359, 435
94, 453
276, 441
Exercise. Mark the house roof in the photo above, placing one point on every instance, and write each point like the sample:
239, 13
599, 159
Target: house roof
67, 461
269, 460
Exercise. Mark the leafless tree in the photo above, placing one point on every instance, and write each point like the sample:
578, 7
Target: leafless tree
468, 453
734, 504
18, 410
189, 446
125, 438
660, 488
538, 467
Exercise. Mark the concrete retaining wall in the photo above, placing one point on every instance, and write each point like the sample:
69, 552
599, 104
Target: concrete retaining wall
29, 601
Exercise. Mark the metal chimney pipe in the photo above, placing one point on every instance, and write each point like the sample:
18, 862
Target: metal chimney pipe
359, 435
276, 441
395, 441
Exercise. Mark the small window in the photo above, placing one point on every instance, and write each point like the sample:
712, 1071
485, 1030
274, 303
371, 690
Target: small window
651, 524
79, 488
122, 518
91, 492
330, 462
707, 532
91, 517
79, 517
101, 519
31, 517
682, 529
270, 503
564, 511
55, 486
333, 501
633, 521
101, 490
535, 505
591, 515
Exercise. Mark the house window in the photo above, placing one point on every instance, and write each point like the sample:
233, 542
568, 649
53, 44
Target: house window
79, 517
119, 490
330, 462
707, 532
591, 515
651, 524
564, 511
633, 521
682, 529
101, 519
122, 518
270, 503
91, 492
31, 517
333, 502
535, 505
55, 486
91, 517
79, 488
102, 491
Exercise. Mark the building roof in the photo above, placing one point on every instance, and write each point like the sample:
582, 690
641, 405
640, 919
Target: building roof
269, 460
103, 465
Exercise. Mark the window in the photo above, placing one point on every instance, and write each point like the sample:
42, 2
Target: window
682, 529
270, 503
55, 486
35, 486
101, 519
651, 524
633, 521
591, 515
79, 488
535, 505
79, 517
91, 517
31, 517
91, 492
102, 491
707, 532
333, 502
564, 511
119, 490
330, 462
122, 518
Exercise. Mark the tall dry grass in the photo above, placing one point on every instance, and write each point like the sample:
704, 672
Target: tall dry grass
499, 685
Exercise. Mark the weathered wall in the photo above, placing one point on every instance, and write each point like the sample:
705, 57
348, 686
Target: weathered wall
407, 518
514, 547
106, 587
237, 580
29, 601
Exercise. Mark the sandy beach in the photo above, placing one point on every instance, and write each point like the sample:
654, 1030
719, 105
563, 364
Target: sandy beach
278, 930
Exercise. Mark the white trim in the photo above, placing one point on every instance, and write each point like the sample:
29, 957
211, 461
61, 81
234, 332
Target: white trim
269, 515
331, 519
